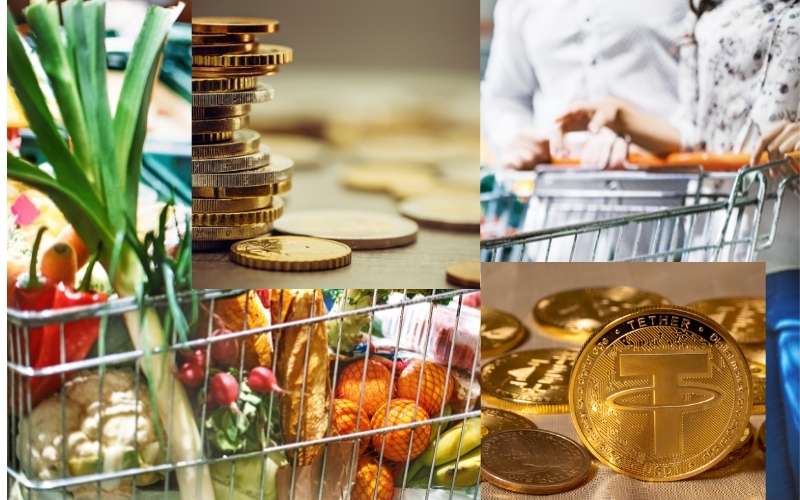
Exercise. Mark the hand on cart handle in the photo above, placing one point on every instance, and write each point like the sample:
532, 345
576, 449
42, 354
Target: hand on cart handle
781, 141
526, 151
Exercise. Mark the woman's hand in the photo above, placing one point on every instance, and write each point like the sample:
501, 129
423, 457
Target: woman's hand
784, 138
525, 152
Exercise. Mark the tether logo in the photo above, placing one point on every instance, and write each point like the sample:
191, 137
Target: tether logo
670, 400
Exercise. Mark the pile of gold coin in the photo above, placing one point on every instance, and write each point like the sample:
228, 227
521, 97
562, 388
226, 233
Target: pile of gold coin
236, 179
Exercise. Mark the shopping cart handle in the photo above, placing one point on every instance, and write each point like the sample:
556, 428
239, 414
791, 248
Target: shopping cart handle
712, 162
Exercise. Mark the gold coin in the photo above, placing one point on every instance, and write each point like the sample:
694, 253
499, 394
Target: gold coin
222, 192
758, 374
534, 381
497, 420
215, 71
244, 142
220, 124
230, 233
217, 205
198, 39
533, 461
291, 253
264, 55
762, 436
500, 332
223, 48
212, 137
233, 163
574, 315
268, 214
223, 84
262, 93
219, 112
445, 211
355, 228
278, 170
733, 460
466, 274
743, 317
660, 394
232, 24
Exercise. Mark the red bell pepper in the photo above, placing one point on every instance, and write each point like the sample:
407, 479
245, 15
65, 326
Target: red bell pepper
33, 292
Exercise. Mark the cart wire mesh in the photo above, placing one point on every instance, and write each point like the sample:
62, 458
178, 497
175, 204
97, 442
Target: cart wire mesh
573, 215
60, 483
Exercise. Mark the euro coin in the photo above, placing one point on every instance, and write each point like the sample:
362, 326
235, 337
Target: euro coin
223, 84
574, 315
466, 274
225, 24
249, 178
257, 159
743, 317
534, 381
268, 214
216, 112
244, 204
500, 332
220, 124
233, 192
444, 211
497, 420
212, 137
262, 93
290, 253
357, 229
244, 142
535, 461
660, 394
230, 233
264, 55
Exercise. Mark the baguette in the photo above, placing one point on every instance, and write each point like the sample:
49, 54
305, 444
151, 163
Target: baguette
233, 311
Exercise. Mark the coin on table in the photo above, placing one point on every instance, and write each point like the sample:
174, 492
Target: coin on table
500, 332
229, 233
357, 229
216, 112
200, 39
534, 381
268, 214
743, 317
758, 373
397, 182
230, 24
263, 55
533, 461
305, 151
497, 420
733, 460
574, 315
446, 211
660, 394
762, 436
224, 84
244, 142
220, 124
290, 253
216, 205
224, 192
466, 274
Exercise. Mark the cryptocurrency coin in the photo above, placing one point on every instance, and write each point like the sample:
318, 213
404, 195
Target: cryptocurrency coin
466, 274
762, 436
500, 332
758, 374
244, 204
219, 112
533, 461
733, 460
357, 229
220, 124
264, 55
223, 48
743, 317
453, 211
223, 192
198, 39
212, 137
233, 163
534, 381
497, 420
219, 233
574, 315
244, 142
262, 93
225, 24
290, 253
660, 394
215, 71
224, 84
268, 214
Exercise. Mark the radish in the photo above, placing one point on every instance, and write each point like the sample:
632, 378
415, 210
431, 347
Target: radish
225, 353
223, 390
190, 374
263, 381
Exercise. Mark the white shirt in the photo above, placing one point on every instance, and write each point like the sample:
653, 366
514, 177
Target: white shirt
547, 54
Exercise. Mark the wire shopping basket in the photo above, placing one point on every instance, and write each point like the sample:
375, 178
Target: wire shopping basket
575, 215
437, 332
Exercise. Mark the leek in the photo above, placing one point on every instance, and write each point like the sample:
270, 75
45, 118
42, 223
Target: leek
96, 183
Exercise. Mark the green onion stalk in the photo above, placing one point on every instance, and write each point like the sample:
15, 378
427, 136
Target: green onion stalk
96, 160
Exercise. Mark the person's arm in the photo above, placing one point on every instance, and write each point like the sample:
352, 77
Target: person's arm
507, 90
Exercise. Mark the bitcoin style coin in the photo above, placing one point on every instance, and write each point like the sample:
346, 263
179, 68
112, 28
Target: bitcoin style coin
758, 374
230, 233
214, 71
500, 332
245, 204
534, 381
212, 137
733, 460
198, 39
357, 229
660, 394
459, 212
264, 55
230, 24
224, 192
291, 253
220, 124
223, 48
269, 214
762, 436
232, 164
533, 461
244, 142
743, 317
224, 84
497, 420
219, 112
574, 315
466, 274
262, 93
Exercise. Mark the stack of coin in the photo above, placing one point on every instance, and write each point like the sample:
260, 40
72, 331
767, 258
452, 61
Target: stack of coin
236, 179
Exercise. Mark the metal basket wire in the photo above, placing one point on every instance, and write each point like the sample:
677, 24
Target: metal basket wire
638, 216
20, 371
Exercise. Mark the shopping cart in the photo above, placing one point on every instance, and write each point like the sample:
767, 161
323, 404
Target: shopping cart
576, 215
298, 481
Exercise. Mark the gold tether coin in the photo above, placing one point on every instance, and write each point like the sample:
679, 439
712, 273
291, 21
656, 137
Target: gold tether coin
223, 24
743, 317
290, 253
500, 332
660, 394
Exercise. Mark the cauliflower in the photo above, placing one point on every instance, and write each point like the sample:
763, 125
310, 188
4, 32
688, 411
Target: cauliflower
119, 418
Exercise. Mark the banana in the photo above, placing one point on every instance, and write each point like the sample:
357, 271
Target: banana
469, 467
447, 449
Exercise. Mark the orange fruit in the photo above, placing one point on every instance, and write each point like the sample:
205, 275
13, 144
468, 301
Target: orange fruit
345, 415
375, 388
368, 478
396, 443
431, 392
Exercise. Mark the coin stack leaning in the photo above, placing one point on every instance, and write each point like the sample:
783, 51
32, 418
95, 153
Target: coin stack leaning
236, 180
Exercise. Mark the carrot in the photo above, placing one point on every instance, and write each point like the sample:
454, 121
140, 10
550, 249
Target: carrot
71, 238
59, 264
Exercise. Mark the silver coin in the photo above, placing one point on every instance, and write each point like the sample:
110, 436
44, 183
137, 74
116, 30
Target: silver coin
262, 93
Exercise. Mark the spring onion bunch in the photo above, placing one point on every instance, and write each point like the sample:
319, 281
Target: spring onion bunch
95, 183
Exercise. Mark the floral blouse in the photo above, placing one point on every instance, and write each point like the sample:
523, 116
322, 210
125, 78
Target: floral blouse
739, 74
